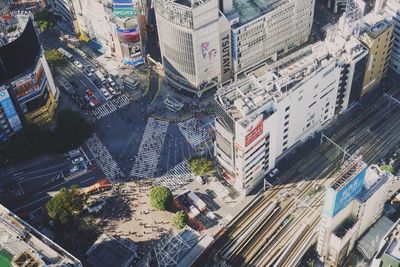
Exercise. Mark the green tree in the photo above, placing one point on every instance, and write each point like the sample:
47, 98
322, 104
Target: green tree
200, 165
387, 168
161, 198
66, 204
181, 219
72, 130
45, 19
55, 58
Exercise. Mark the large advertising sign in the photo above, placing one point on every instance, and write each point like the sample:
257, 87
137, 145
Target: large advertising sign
9, 109
225, 56
128, 35
253, 133
336, 201
123, 8
234, 45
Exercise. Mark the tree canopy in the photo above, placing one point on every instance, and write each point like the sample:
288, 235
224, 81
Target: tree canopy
66, 204
200, 165
72, 129
181, 219
55, 57
45, 19
161, 198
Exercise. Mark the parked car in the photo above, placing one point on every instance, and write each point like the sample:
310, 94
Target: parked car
77, 160
273, 173
112, 91
105, 92
96, 206
78, 64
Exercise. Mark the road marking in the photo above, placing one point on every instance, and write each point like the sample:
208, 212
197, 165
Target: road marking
148, 84
48, 168
158, 91
83, 83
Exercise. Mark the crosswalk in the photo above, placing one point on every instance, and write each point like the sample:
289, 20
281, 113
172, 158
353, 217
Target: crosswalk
111, 106
104, 159
194, 132
146, 161
177, 177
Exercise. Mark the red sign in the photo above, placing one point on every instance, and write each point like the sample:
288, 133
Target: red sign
254, 133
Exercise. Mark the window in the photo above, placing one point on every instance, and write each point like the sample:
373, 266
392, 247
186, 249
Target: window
284, 143
285, 131
286, 123
287, 108
285, 136
287, 116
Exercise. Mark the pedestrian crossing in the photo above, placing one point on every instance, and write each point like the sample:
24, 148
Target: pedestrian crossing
146, 161
177, 177
111, 106
104, 159
194, 132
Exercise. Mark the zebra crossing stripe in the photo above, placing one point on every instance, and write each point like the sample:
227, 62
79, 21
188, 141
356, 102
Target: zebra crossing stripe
111, 106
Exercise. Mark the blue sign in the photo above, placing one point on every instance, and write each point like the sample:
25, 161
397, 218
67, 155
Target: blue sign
122, 30
9, 110
135, 62
335, 201
234, 45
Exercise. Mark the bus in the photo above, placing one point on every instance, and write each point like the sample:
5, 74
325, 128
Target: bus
65, 53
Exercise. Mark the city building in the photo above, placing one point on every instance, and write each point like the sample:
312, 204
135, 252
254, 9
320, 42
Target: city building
392, 10
388, 254
27, 90
111, 27
23, 245
354, 202
278, 106
267, 30
377, 36
64, 9
188, 33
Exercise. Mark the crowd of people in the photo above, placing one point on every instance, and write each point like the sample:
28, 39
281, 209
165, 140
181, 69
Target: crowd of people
146, 161
194, 132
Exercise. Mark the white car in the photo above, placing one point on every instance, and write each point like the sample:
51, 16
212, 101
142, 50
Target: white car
77, 160
273, 173
78, 64
105, 92
112, 91
97, 206
111, 81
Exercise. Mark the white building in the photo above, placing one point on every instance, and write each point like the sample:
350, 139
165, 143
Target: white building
26, 246
65, 9
358, 204
263, 30
392, 9
271, 110
188, 33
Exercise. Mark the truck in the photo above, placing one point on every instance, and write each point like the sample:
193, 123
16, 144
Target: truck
194, 211
197, 202
100, 185
100, 76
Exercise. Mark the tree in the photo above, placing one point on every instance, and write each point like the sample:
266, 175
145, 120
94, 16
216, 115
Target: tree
45, 19
161, 198
387, 168
55, 58
200, 165
66, 204
181, 219
72, 130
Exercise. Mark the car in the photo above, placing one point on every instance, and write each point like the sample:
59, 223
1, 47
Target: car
89, 93
73, 169
110, 81
112, 91
77, 160
96, 206
105, 92
89, 68
273, 173
74, 153
78, 64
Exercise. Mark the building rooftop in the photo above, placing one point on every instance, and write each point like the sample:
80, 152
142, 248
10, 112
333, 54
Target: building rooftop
109, 251
182, 249
374, 179
249, 10
351, 168
344, 227
25, 246
245, 99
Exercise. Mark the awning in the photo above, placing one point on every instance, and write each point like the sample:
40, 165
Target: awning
96, 46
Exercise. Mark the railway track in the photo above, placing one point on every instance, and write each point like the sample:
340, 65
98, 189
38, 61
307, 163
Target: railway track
256, 239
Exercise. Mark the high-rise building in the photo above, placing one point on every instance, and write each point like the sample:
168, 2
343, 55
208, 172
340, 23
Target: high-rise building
389, 250
377, 36
27, 90
111, 27
23, 245
188, 33
266, 30
206, 43
392, 10
353, 203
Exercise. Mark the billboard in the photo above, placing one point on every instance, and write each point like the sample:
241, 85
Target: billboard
123, 8
335, 201
9, 109
128, 35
